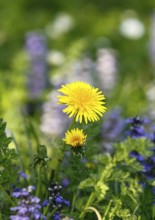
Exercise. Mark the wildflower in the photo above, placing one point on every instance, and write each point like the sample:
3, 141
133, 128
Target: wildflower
148, 164
52, 121
83, 101
37, 73
152, 137
113, 125
23, 175
136, 127
75, 137
56, 201
28, 205
57, 216
65, 182
106, 67
138, 156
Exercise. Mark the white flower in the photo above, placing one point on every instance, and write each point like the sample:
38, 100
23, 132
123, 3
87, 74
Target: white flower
132, 28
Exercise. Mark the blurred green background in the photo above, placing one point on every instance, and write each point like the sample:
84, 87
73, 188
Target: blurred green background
73, 31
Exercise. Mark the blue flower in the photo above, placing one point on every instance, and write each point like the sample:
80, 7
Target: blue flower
138, 156
37, 76
56, 201
152, 137
65, 182
22, 174
16, 217
66, 202
136, 129
19, 193
45, 203
113, 125
28, 205
57, 216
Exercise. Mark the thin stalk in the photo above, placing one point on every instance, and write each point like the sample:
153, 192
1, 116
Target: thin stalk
75, 196
33, 173
38, 192
19, 155
33, 133
91, 197
63, 150
21, 164
107, 210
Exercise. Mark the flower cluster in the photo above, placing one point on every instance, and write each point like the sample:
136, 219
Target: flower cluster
52, 120
56, 201
28, 205
36, 50
85, 104
106, 67
37, 77
112, 128
137, 129
148, 164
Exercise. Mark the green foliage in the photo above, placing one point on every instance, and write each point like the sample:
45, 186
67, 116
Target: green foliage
116, 179
7, 170
105, 186
8, 173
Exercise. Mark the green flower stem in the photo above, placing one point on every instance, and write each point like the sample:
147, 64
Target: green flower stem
63, 151
38, 193
107, 210
91, 198
153, 212
19, 154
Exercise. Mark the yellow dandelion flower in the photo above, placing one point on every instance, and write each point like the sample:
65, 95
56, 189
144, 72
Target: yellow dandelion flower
75, 137
83, 101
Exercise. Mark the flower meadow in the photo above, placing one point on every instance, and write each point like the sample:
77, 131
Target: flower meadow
77, 110
102, 167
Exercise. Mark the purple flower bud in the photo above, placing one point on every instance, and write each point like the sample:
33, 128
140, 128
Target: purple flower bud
22, 174
65, 182
66, 202
59, 199
57, 216
45, 203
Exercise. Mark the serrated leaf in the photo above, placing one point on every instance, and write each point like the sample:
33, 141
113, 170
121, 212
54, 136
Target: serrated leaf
86, 183
7, 171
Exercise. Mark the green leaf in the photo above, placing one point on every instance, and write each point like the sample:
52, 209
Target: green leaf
7, 171
86, 183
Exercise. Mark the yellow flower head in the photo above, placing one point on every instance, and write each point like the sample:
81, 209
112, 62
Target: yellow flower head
75, 137
83, 101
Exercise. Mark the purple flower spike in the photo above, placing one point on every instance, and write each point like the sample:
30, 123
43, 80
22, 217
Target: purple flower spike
28, 205
56, 201
136, 127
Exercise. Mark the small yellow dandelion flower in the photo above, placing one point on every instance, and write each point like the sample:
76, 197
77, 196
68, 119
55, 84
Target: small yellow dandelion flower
83, 101
75, 137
